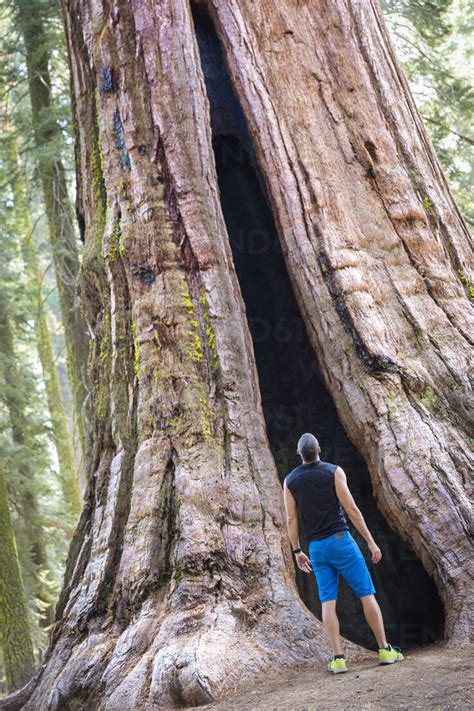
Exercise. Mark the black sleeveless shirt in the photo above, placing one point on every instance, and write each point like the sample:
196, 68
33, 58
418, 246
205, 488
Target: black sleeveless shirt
314, 489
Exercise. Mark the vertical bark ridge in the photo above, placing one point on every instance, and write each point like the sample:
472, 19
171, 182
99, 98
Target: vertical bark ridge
424, 139
357, 233
430, 213
200, 557
180, 443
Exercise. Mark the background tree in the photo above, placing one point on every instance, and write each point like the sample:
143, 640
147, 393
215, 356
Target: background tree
23, 432
15, 636
33, 22
434, 42
37, 510
67, 472
39, 517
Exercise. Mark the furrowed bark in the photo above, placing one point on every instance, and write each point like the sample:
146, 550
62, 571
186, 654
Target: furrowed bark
181, 555
182, 541
379, 257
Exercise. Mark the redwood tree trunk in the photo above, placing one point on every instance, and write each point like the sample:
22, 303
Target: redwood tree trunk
181, 556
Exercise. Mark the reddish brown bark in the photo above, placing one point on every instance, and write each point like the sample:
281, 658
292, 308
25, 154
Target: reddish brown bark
179, 580
381, 254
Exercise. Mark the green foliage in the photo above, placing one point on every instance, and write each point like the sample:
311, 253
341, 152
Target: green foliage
26, 454
34, 451
46, 14
15, 636
433, 41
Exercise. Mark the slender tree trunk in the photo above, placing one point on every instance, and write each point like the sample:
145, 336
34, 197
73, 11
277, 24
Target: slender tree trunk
67, 472
13, 398
58, 209
181, 556
15, 637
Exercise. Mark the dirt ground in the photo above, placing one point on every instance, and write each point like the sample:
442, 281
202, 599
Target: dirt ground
428, 678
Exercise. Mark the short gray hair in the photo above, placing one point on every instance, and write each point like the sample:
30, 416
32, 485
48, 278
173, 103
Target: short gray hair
308, 446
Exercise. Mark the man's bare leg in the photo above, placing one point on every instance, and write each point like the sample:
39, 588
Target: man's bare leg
374, 618
331, 625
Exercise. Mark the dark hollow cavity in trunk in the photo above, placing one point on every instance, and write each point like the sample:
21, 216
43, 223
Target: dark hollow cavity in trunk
295, 399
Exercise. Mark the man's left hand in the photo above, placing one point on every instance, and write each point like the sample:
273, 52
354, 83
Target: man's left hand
303, 562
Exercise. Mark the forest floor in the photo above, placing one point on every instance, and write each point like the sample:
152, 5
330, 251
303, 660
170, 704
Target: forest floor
431, 678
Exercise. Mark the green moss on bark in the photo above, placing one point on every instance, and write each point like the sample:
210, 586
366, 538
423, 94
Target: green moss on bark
468, 285
209, 331
136, 352
102, 364
202, 345
428, 397
207, 418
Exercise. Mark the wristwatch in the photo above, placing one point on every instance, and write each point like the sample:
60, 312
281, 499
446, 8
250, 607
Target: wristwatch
297, 550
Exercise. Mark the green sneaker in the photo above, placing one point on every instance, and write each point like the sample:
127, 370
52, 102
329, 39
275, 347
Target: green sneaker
389, 656
336, 666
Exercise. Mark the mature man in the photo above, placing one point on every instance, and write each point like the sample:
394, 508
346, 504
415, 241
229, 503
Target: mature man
319, 491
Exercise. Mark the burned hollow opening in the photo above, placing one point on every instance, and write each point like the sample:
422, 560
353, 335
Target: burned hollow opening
294, 397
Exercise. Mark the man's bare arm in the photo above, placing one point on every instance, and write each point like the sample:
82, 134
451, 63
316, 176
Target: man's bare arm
352, 510
292, 525
291, 517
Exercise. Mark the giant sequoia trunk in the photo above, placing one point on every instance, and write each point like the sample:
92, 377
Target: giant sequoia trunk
180, 580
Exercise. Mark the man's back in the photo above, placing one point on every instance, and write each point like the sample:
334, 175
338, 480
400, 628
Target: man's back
313, 487
318, 491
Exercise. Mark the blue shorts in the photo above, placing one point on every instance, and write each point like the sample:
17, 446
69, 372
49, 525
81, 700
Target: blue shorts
339, 554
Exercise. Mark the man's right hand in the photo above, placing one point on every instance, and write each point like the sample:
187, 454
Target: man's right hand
376, 552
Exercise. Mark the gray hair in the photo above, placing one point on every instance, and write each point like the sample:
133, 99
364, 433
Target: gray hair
308, 446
